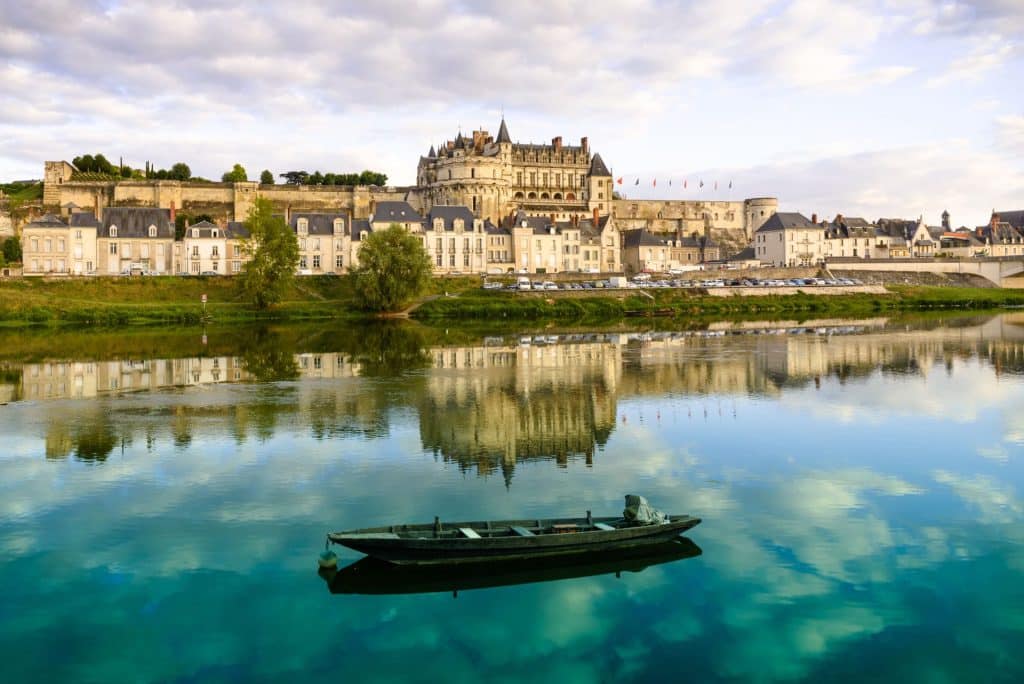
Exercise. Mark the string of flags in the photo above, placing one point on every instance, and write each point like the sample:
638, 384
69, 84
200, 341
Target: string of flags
686, 182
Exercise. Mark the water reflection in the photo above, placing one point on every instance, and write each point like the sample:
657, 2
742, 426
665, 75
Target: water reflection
373, 576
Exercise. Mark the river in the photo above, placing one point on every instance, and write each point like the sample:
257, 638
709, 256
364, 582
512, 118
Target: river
164, 496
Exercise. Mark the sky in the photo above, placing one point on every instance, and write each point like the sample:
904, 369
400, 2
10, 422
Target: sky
887, 108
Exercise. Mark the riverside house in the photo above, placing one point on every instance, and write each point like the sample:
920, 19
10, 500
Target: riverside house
207, 248
135, 240
52, 247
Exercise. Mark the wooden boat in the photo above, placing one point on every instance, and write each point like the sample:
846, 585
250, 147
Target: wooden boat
469, 542
373, 576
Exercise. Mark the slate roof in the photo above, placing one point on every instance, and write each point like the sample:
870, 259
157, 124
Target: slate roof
83, 219
783, 220
448, 214
643, 238
1014, 218
206, 229
358, 226
745, 254
398, 212
503, 136
134, 222
1001, 233
320, 223
236, 230
47, 221
597, 167
492, 229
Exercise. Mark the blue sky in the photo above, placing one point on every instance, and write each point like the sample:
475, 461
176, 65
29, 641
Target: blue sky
888, 108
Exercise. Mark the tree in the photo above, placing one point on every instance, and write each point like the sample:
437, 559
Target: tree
12, 250
394, 269
373, 178
274, 253
295, 177
179, 172
237, 174
267, 178
316, 179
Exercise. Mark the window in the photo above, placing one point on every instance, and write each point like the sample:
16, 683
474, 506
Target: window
152, 231
195, 251
195, 267
465, 259
316, 244
216, 267
303, 226
215, 251
316, 261
438, 259
48, 245
113, 248
451, 259
60, 244
113, 231
339, 262
236, 266
302, 261
238, 251
213, 233
78, 235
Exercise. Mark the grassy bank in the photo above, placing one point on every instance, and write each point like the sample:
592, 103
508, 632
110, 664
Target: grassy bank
689, 304
165, 299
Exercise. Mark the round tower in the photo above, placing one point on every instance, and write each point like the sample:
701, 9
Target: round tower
756, 211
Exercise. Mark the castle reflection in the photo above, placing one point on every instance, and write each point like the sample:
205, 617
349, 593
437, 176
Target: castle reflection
485, 406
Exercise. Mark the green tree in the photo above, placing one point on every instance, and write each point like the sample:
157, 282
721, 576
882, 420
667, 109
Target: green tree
235, 175
274, 252
295, 177
316, 178
267, 178
179, 172
12, 250
373, 178
394, 269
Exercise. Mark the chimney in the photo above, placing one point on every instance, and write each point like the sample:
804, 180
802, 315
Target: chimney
595, 217
814, 219
584, 145
995, 220
174, 214
552, 219
557, 143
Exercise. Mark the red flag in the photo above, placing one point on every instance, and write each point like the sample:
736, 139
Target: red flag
619, 181
655, 183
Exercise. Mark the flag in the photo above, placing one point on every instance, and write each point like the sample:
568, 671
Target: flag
637, 181
702, 183
655, 182
619, 181
670, 181
730, 185
684, 184
716, 185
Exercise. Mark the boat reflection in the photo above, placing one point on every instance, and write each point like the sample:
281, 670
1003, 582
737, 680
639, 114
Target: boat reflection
373, 576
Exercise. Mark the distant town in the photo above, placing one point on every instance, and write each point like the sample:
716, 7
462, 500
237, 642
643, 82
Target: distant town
482, 204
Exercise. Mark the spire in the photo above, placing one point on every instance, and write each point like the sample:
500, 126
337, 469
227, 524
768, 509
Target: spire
597, 167
431, 154
503, 136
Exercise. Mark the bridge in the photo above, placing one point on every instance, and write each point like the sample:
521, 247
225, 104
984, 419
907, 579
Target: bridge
1003, 271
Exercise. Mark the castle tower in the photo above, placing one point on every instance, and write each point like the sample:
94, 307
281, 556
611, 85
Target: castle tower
945, 220
599, 186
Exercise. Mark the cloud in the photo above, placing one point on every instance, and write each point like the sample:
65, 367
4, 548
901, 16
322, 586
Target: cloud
985, 58
1010, 134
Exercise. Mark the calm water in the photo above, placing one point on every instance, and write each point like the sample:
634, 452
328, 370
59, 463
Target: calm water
163, 499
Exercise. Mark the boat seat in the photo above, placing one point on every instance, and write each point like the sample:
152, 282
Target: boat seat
469, 533
521, 531
604, 526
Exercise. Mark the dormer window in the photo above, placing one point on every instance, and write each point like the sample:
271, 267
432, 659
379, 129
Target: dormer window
152, 231
113, 231
460, 225
303, 226
339, 225
362, 235
213, 232
438, 224
195, 232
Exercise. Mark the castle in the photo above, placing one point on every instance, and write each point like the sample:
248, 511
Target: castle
494, 177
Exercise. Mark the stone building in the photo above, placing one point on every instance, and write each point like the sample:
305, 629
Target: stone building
494, 176
790, 239
208, 248
646, 252
133, 240
324, 241
52, 247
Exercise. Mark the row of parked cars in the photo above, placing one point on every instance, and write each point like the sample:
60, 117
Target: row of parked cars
644, 281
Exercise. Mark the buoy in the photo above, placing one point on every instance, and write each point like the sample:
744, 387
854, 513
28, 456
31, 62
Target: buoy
328, 559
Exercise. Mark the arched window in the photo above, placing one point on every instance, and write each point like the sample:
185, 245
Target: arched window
113, 231
558, 195
532, 195
570, 195
152, 231
303, 226
472, 173
339, 225
545, 195
519, 195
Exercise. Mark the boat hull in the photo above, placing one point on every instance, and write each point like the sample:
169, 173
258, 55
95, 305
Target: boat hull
413, 549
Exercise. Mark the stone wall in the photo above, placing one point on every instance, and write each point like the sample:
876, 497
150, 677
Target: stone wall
223, 201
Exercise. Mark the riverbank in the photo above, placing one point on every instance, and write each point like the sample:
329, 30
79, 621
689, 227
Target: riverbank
115, 302
674, 303
112, 301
